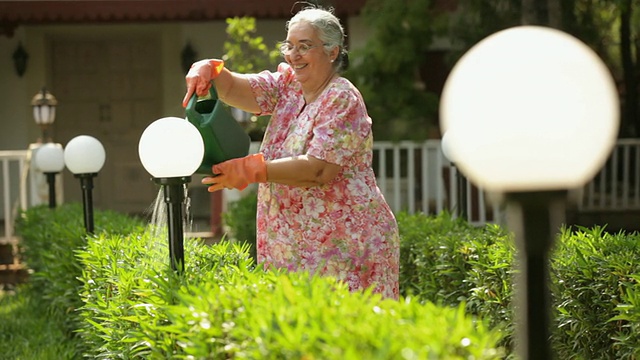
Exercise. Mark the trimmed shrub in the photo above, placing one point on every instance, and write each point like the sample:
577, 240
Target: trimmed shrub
127, 283
49, 240
595, 283
295, 316
627, 335
456, 282
448, 261
240, 220
221, 307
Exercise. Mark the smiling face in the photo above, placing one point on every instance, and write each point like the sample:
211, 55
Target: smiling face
315, 67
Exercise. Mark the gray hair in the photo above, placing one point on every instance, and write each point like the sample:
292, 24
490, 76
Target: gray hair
329, 30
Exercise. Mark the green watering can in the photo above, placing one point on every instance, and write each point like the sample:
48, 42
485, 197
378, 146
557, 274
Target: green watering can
223, 136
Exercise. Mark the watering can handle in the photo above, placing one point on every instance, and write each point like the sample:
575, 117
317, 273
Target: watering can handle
195, 115
213, 94
223, 137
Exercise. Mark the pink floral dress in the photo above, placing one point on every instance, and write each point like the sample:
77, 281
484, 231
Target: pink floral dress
345, 228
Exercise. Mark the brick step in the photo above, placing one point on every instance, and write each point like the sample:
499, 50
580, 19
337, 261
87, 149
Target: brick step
7, 254
12, 272
12, 277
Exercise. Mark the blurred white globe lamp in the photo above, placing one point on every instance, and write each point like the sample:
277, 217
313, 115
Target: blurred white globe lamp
171, 149
84, 156
49, 159
461, 181
534, 113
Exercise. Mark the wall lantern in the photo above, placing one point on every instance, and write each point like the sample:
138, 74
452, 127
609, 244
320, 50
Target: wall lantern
187, 57
44, 111
84, 156
534, 113
20, 58
171, 149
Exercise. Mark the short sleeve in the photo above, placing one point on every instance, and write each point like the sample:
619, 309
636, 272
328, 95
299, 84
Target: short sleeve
341, 127
267, 87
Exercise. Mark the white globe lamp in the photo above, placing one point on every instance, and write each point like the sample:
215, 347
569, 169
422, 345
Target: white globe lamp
84, 156
447, 150
532, 113
532, 108
171, 149
49, 158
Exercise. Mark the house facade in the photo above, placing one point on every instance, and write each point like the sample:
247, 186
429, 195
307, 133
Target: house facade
115, 67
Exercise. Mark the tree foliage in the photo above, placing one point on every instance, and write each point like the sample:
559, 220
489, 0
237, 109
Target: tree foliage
609, 27
387, 70
476, 19
245, 52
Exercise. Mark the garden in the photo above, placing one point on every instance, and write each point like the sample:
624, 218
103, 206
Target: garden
113, 295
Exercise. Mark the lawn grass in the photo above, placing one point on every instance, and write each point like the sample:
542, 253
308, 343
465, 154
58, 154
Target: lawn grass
28, 331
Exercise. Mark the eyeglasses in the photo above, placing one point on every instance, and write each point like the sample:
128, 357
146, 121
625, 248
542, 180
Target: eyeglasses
302, 49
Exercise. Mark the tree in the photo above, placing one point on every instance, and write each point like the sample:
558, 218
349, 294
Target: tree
243, 51
609, 27
476, 19
629, 70
246, 53
387, 68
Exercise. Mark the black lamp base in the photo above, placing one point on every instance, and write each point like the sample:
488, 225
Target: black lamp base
174, 198
86, 182
173, 180
535, 218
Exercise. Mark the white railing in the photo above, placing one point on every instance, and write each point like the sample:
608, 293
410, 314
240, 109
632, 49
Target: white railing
416, 177
14, 194
423, 168
617, 185
14, 189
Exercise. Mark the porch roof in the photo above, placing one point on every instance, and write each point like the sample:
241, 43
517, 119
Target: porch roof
16, 13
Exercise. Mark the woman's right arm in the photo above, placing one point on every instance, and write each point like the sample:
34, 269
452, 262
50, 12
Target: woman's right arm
234, 89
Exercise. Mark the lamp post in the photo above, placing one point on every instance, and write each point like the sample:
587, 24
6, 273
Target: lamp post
44, 111
171, 150
84, 156
534, 113
49, 159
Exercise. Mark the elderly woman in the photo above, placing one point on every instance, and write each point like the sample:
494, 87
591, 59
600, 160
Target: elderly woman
319, 207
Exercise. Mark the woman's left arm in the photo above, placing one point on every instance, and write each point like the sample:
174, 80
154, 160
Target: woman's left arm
301, 170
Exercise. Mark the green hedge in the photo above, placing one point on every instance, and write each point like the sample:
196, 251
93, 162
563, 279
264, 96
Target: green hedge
50, 239
134, 306
597, 294
448, 261
240, 220
594, 281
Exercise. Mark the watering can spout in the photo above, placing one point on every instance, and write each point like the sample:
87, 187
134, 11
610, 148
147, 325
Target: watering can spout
222, 135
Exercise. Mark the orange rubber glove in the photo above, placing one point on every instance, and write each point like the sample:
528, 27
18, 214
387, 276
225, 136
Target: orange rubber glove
199, 77
237, 173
